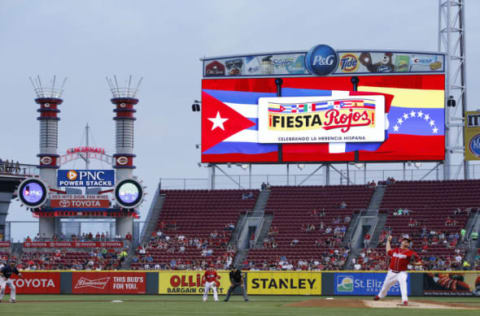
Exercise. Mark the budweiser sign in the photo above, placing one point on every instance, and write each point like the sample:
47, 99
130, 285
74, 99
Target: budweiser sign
100, 284
79, 201
338, 118
108, 282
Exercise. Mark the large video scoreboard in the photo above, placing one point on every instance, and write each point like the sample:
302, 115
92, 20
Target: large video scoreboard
323, 106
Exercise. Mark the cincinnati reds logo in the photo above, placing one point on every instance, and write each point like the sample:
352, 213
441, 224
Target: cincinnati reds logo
47, 105
122, 160
122, 105
72, 175
46, 160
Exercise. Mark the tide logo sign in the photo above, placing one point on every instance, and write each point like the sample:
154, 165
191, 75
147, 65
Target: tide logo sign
72, 175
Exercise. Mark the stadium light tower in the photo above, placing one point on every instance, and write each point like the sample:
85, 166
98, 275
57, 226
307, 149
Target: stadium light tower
451, 41
124, 99
49, 97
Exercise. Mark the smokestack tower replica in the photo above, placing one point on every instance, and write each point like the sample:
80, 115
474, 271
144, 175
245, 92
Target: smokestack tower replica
124, 99
49, 99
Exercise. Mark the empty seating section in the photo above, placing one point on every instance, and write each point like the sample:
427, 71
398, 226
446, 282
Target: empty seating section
195, 214
292, 208
436, 209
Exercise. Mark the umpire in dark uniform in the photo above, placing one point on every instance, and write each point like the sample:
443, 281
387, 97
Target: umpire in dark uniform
236, 280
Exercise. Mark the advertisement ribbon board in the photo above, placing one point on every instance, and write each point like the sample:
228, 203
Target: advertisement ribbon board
364, 284
108, 282
37, 283
189, 282
284, 283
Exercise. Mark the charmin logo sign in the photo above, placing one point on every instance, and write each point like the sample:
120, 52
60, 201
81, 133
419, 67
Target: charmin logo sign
322, 119
345, 283
100, 284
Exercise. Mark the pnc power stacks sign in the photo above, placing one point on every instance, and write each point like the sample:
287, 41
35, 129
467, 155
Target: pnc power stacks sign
284, 283
85, 178
189, 282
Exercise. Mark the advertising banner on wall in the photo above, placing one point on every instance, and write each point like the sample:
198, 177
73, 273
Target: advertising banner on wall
108, 282
85, 178
189, 282
323, 119
364, 284
472, 135
452, 283
73, 244
37, 283
79, 201
349, 62
284, 283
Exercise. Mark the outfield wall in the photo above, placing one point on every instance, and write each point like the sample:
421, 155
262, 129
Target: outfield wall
326, 283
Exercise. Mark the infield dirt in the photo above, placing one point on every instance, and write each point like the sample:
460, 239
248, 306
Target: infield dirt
358, 303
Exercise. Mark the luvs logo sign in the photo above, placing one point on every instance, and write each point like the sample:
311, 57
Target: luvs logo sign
85, 178
321, 60
340, 117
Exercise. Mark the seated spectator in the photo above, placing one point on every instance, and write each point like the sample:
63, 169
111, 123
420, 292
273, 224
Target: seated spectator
343, 205
294, 242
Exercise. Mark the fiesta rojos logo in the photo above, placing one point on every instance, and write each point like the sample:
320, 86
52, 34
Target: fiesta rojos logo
72, 175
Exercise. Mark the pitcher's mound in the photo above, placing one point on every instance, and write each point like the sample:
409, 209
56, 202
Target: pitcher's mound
359, 303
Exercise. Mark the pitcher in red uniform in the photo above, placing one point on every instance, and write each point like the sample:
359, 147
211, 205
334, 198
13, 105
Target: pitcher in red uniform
210, 277
397, 270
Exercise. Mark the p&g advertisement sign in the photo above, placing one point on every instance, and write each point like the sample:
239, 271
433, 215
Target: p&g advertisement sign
364, 284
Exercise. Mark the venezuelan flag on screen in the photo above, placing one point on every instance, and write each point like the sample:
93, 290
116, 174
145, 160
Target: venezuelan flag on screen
414, 107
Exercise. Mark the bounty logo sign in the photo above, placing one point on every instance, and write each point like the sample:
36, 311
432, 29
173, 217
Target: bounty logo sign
85, 178
337, 118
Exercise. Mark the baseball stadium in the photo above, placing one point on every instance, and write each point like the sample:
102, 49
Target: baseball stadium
375, 211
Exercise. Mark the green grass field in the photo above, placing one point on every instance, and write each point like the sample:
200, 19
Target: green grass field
142, 305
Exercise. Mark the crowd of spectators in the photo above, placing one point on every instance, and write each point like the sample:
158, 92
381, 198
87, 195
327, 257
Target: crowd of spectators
7, 166
96, 259
327, 259
213, 249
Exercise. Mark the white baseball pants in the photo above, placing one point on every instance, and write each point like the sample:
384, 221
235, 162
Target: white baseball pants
3, 284
213, 286
391, 279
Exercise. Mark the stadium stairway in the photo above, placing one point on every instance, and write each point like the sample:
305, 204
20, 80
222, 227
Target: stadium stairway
473, 225
257, 222
376, 200
152, 216
149, 227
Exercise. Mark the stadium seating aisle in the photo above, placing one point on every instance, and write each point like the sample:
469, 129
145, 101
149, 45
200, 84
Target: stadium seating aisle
309, 225
194, 229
